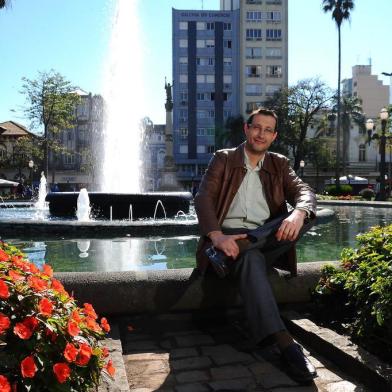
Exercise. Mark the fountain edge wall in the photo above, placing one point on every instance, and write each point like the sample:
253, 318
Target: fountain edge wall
132, 292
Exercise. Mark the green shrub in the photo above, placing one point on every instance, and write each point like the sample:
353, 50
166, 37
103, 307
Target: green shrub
342, 191
366, 193
363, 284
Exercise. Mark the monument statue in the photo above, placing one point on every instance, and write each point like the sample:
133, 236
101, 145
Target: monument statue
169, 97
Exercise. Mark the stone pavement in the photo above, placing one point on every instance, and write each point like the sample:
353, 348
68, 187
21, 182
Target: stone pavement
189, 352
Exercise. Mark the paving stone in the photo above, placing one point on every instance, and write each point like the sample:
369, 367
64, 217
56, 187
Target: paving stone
191, 388
132, 336
141, 345
166, 344
261, 368
343, 386
225, 354
176, 353
315, 362
193, 340
229, 372
190, 363
244, 384
328, 376
192, 376
147, 357
273, 380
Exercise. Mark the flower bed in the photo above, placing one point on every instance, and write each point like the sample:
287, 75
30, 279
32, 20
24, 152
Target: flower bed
47, 342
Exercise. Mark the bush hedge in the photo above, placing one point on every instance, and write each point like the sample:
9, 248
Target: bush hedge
343, 190
363, 285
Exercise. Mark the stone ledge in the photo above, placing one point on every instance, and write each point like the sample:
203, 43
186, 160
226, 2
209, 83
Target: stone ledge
352, 359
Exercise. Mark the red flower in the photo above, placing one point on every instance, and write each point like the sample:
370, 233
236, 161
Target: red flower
110, 368
92, 324
15, 275
70, 352
32, 267
4, 293
26, 328
105, 325
62, 372
105, 352
45, 307
56, 285
3, 256
89, 310
84, 354
4, 324
52, 335
4, 384
76, 316
28, 367
37, 283
73, 328
48, 270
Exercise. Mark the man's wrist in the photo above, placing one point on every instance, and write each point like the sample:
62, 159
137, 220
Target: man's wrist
213, 234
305, 211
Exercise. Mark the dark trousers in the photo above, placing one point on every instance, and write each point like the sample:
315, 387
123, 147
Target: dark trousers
250, 271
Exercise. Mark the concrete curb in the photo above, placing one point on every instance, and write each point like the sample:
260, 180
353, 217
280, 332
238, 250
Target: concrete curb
352, 359
131, 292
361, 203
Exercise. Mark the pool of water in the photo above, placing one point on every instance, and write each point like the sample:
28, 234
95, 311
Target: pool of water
323, 243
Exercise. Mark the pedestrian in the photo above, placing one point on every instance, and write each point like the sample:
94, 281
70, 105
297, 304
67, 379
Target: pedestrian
241, 200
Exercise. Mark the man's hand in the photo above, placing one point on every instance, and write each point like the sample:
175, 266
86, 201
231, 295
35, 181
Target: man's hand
226, 243
290, 227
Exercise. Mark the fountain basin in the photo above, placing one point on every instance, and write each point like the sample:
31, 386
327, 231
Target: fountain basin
122, 205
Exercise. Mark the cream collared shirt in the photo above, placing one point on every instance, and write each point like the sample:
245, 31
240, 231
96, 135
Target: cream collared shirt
249, 208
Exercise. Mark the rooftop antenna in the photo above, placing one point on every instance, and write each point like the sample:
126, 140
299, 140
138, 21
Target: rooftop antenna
202, 4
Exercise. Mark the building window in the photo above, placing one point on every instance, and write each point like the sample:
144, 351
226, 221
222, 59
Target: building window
183, 133
210, 78
362, 153
69, 159
227, 26
210, 132
274, 34
183, 25
200, 43
184, 60
205, 61
226, 113
253, 16
183, 43
183, 78
254, 2
210, 150
271, 89
183, 149
3, 153
211, 113
201, 149
273, 53
253, 34
253, 71
251, 106
227, 43
200, 26
227, 61
227, 79
201, 113
253, 89
201, 131
226, 96
201, 96
201, 78
253, 53
183, 97
210, 25
210, 43
274, 71
272, 16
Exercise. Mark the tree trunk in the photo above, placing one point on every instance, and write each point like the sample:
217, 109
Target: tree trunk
337, 171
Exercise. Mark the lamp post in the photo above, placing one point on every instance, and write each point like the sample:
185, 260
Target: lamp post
302, 165
370, 129
31, 166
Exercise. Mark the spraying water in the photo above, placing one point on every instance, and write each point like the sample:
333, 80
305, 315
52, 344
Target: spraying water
40, 205
123, 93
83, 206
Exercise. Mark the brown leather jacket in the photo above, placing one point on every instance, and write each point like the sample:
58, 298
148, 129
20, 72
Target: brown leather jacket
221, 182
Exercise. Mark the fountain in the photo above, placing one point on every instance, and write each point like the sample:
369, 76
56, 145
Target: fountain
83, 206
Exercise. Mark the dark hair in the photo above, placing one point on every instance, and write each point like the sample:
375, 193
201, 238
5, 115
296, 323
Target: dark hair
264, 112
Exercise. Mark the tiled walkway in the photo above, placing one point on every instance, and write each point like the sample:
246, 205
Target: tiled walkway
186, 353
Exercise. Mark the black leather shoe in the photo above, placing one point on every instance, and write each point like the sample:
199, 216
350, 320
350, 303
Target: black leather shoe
297, 366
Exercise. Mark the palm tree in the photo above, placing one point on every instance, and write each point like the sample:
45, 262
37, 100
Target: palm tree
340, 10
350, 110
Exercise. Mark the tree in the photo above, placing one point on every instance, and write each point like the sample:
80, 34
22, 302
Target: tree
297, 108
340, 10
350, 111
51, 103
233, 135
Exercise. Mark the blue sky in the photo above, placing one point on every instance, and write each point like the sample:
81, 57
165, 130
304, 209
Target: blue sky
72, 36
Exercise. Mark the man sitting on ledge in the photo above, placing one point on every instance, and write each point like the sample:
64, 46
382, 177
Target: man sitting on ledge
242, 189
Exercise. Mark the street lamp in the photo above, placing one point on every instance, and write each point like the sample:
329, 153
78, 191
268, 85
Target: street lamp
302, 165
371, 128
31, 166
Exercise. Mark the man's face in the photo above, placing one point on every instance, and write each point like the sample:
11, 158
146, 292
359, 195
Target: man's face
260, 134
